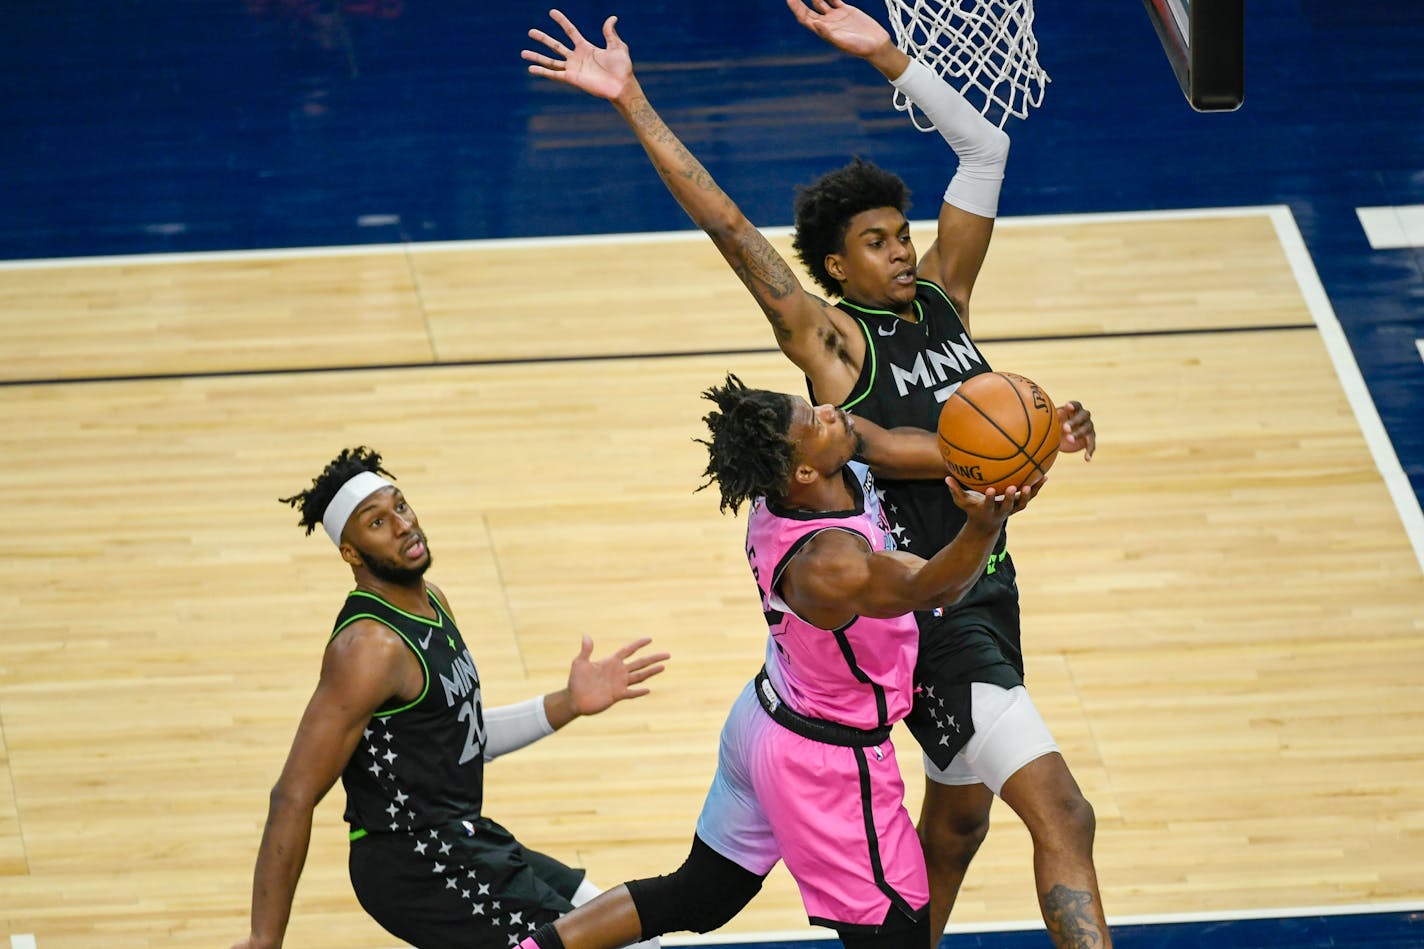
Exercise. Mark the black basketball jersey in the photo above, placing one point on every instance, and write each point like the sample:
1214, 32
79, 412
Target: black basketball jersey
420, 763
909, 370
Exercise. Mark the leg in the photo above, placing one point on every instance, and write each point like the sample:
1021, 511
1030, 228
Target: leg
604, 922
1061, 822
701, 895
954, 819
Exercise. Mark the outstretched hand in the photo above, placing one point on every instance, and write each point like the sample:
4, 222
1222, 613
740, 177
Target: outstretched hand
594, 686
845, 27
603, 72
1078, 431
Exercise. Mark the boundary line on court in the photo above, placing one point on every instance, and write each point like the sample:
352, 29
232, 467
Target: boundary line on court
583, 240
1347, 371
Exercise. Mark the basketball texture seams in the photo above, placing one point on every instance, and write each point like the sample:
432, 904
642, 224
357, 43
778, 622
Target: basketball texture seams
998, 429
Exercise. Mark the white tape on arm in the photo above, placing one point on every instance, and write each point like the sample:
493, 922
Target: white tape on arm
511, 727
981, 146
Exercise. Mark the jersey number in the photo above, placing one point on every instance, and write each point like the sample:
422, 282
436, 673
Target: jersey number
475, 739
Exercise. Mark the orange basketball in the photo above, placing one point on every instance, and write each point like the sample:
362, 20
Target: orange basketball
998, 429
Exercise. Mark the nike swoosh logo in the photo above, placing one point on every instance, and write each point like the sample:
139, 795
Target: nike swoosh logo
893, 327
425, 643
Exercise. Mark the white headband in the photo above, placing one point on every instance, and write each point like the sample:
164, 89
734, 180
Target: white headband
352, 493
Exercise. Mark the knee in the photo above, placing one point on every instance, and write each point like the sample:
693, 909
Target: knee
952, 841
1070, 824
1081, 819
704, 894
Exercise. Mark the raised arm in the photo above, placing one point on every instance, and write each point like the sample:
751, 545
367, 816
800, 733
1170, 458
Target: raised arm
837, 576
966, 218
817, 337
362, 669
593, 687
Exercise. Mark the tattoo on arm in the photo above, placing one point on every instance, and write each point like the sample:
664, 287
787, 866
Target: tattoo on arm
685, 166
756, 263
1070, 918
765, 274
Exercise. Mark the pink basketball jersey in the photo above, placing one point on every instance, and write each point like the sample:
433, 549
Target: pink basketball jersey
858, 675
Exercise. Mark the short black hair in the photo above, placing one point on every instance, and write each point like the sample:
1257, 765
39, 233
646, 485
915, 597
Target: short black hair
824, 209
312, 502
750, 453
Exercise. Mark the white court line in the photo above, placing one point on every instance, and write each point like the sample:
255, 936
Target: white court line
25, 941
1391, 228
1296, 912
574, 240
1348, 371
1419, 344
1223, 916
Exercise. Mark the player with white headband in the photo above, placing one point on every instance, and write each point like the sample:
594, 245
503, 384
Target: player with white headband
397, 715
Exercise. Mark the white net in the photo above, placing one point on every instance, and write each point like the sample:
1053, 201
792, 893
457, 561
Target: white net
984, 48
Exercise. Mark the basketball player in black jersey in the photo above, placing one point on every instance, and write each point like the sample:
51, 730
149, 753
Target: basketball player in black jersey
397, 715
892, 350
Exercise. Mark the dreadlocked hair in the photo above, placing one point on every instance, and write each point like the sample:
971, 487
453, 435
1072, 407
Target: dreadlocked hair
312, 502
824, 209
749, 454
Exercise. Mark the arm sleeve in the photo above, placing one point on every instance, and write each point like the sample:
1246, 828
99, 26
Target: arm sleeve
511, 727
981, 146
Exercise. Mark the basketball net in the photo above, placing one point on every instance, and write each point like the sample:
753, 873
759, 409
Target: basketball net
984, 48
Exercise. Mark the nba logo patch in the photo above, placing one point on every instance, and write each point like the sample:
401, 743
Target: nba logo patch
937, 611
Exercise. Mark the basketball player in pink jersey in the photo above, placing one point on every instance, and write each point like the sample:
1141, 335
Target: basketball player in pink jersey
806, 771
891, 338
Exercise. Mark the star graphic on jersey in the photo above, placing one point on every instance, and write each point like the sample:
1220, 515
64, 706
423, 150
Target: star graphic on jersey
393, 810
440, 868
953, 724
366, 733
402, 797
944, 739
420, 847
484, 890
389, 756
478, 910
445, 847
464, 894
513, 939
515, 918
375, 769
450, 883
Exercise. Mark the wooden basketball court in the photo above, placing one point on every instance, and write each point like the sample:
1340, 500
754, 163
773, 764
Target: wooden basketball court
1224, 610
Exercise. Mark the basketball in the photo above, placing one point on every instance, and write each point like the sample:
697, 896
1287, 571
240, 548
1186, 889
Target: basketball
998, 429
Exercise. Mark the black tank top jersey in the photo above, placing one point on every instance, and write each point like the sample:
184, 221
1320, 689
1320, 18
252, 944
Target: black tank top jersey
420, 763
909, 371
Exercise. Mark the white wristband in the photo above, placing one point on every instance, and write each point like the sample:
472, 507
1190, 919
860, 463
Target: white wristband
511, 727
982, 147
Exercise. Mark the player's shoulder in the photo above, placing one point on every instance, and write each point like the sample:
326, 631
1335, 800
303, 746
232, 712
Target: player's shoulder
929, 288
439, 595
